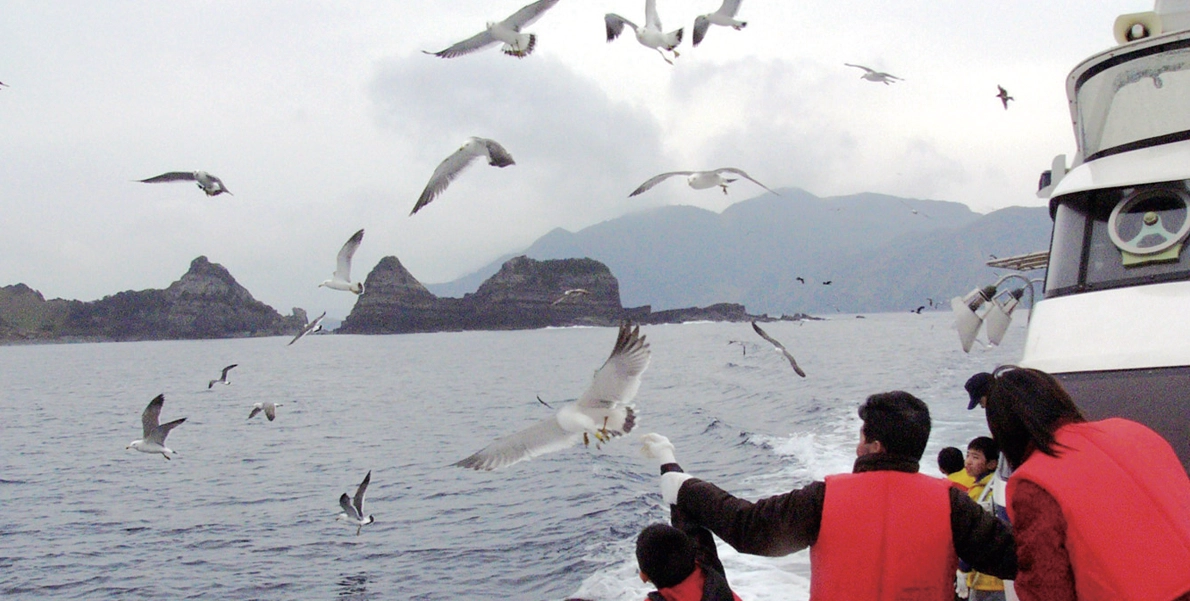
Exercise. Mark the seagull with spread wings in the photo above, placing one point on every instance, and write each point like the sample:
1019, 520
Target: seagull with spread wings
313, 326
507, 31
725, 16
876, 76
341, 279
780, 348
454, 164
269, 409
353, 507
650, 36
206, 182
572, 293
222, 377
701, 180
1003, 96
154, 432
604, 411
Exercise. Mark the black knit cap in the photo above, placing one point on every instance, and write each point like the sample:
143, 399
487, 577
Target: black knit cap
665, 554
978, 386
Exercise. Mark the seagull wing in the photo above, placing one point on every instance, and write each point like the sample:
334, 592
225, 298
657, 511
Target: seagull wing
860, 67
343, 262
616, 382
345, 503
172, 176
615, 25
729, 8
542, 437
255, 410
446, 172
270, 411
160, 432
497, 155
656, 179
780, 347
527, 15
358, 501
478, 41
652, 20
223, 376
701, 25
149, 418
741, 173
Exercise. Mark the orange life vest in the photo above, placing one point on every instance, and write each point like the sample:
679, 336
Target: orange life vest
1126, 501
885, 536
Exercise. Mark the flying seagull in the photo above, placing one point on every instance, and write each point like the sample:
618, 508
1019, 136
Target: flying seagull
743, 345
650, 36
154, 433
313, 326
876, 76
353, 508
3, 84
724, 16
780, 348
543, 402
801, 279
604, 411
574, 292
454, 164
222, 377
341, 279
208, 183
1003, 96
701, 180
270, 410
508, 31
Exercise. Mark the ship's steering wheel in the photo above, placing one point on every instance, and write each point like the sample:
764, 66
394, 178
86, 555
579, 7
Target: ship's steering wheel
1149, 205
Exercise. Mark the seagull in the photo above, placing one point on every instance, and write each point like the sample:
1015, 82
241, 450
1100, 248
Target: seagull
543, 402
1003, 96
450, 168
270, 410
827, 282
341, 279
701, 180
876, 76
801, 279
222, 377
4, 84
604, 411
918, 310
313, 326
154, 433
575, 292
913, 210
353, 508
724, 16
508, 31
650, 35
743, 345
780, 348
208, 183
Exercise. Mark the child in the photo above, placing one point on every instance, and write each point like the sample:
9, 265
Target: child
950, 463
670, 559
982, 456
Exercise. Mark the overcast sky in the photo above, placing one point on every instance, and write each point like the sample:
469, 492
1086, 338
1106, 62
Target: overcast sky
326, 117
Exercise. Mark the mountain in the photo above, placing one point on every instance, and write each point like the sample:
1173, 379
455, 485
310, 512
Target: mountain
879, 252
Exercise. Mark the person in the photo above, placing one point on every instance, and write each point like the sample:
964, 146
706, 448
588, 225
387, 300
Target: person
952, 465
678, 565
883, 532
1101, 510
977, 387
982, 456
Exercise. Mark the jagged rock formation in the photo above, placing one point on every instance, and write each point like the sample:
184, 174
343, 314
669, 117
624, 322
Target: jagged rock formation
206, 302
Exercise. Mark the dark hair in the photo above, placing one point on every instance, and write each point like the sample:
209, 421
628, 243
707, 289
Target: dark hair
950, 460
1024, 409
986, 446
665, 554
899, 420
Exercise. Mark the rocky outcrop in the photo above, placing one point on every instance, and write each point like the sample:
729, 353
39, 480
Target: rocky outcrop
206, 302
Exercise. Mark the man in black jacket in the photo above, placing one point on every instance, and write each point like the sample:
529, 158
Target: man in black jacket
883, 531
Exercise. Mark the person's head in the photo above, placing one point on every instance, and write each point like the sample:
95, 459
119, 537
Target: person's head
950, 460
665, 555
894, 422
982, 455
977, 389
1024, 409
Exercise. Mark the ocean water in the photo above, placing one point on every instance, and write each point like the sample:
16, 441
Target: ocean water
246, 510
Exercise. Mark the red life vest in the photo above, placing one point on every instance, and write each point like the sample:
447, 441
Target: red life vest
885, 536
1126, 501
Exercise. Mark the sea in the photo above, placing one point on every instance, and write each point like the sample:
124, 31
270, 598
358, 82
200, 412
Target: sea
246, 510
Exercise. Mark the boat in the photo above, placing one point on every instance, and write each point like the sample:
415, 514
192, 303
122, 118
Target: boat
1113, 321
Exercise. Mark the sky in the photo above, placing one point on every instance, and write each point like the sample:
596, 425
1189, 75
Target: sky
324, 117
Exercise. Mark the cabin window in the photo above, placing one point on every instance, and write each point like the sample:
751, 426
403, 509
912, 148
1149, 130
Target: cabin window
1084, 256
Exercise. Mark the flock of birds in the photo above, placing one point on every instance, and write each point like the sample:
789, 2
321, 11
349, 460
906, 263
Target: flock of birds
605, 410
